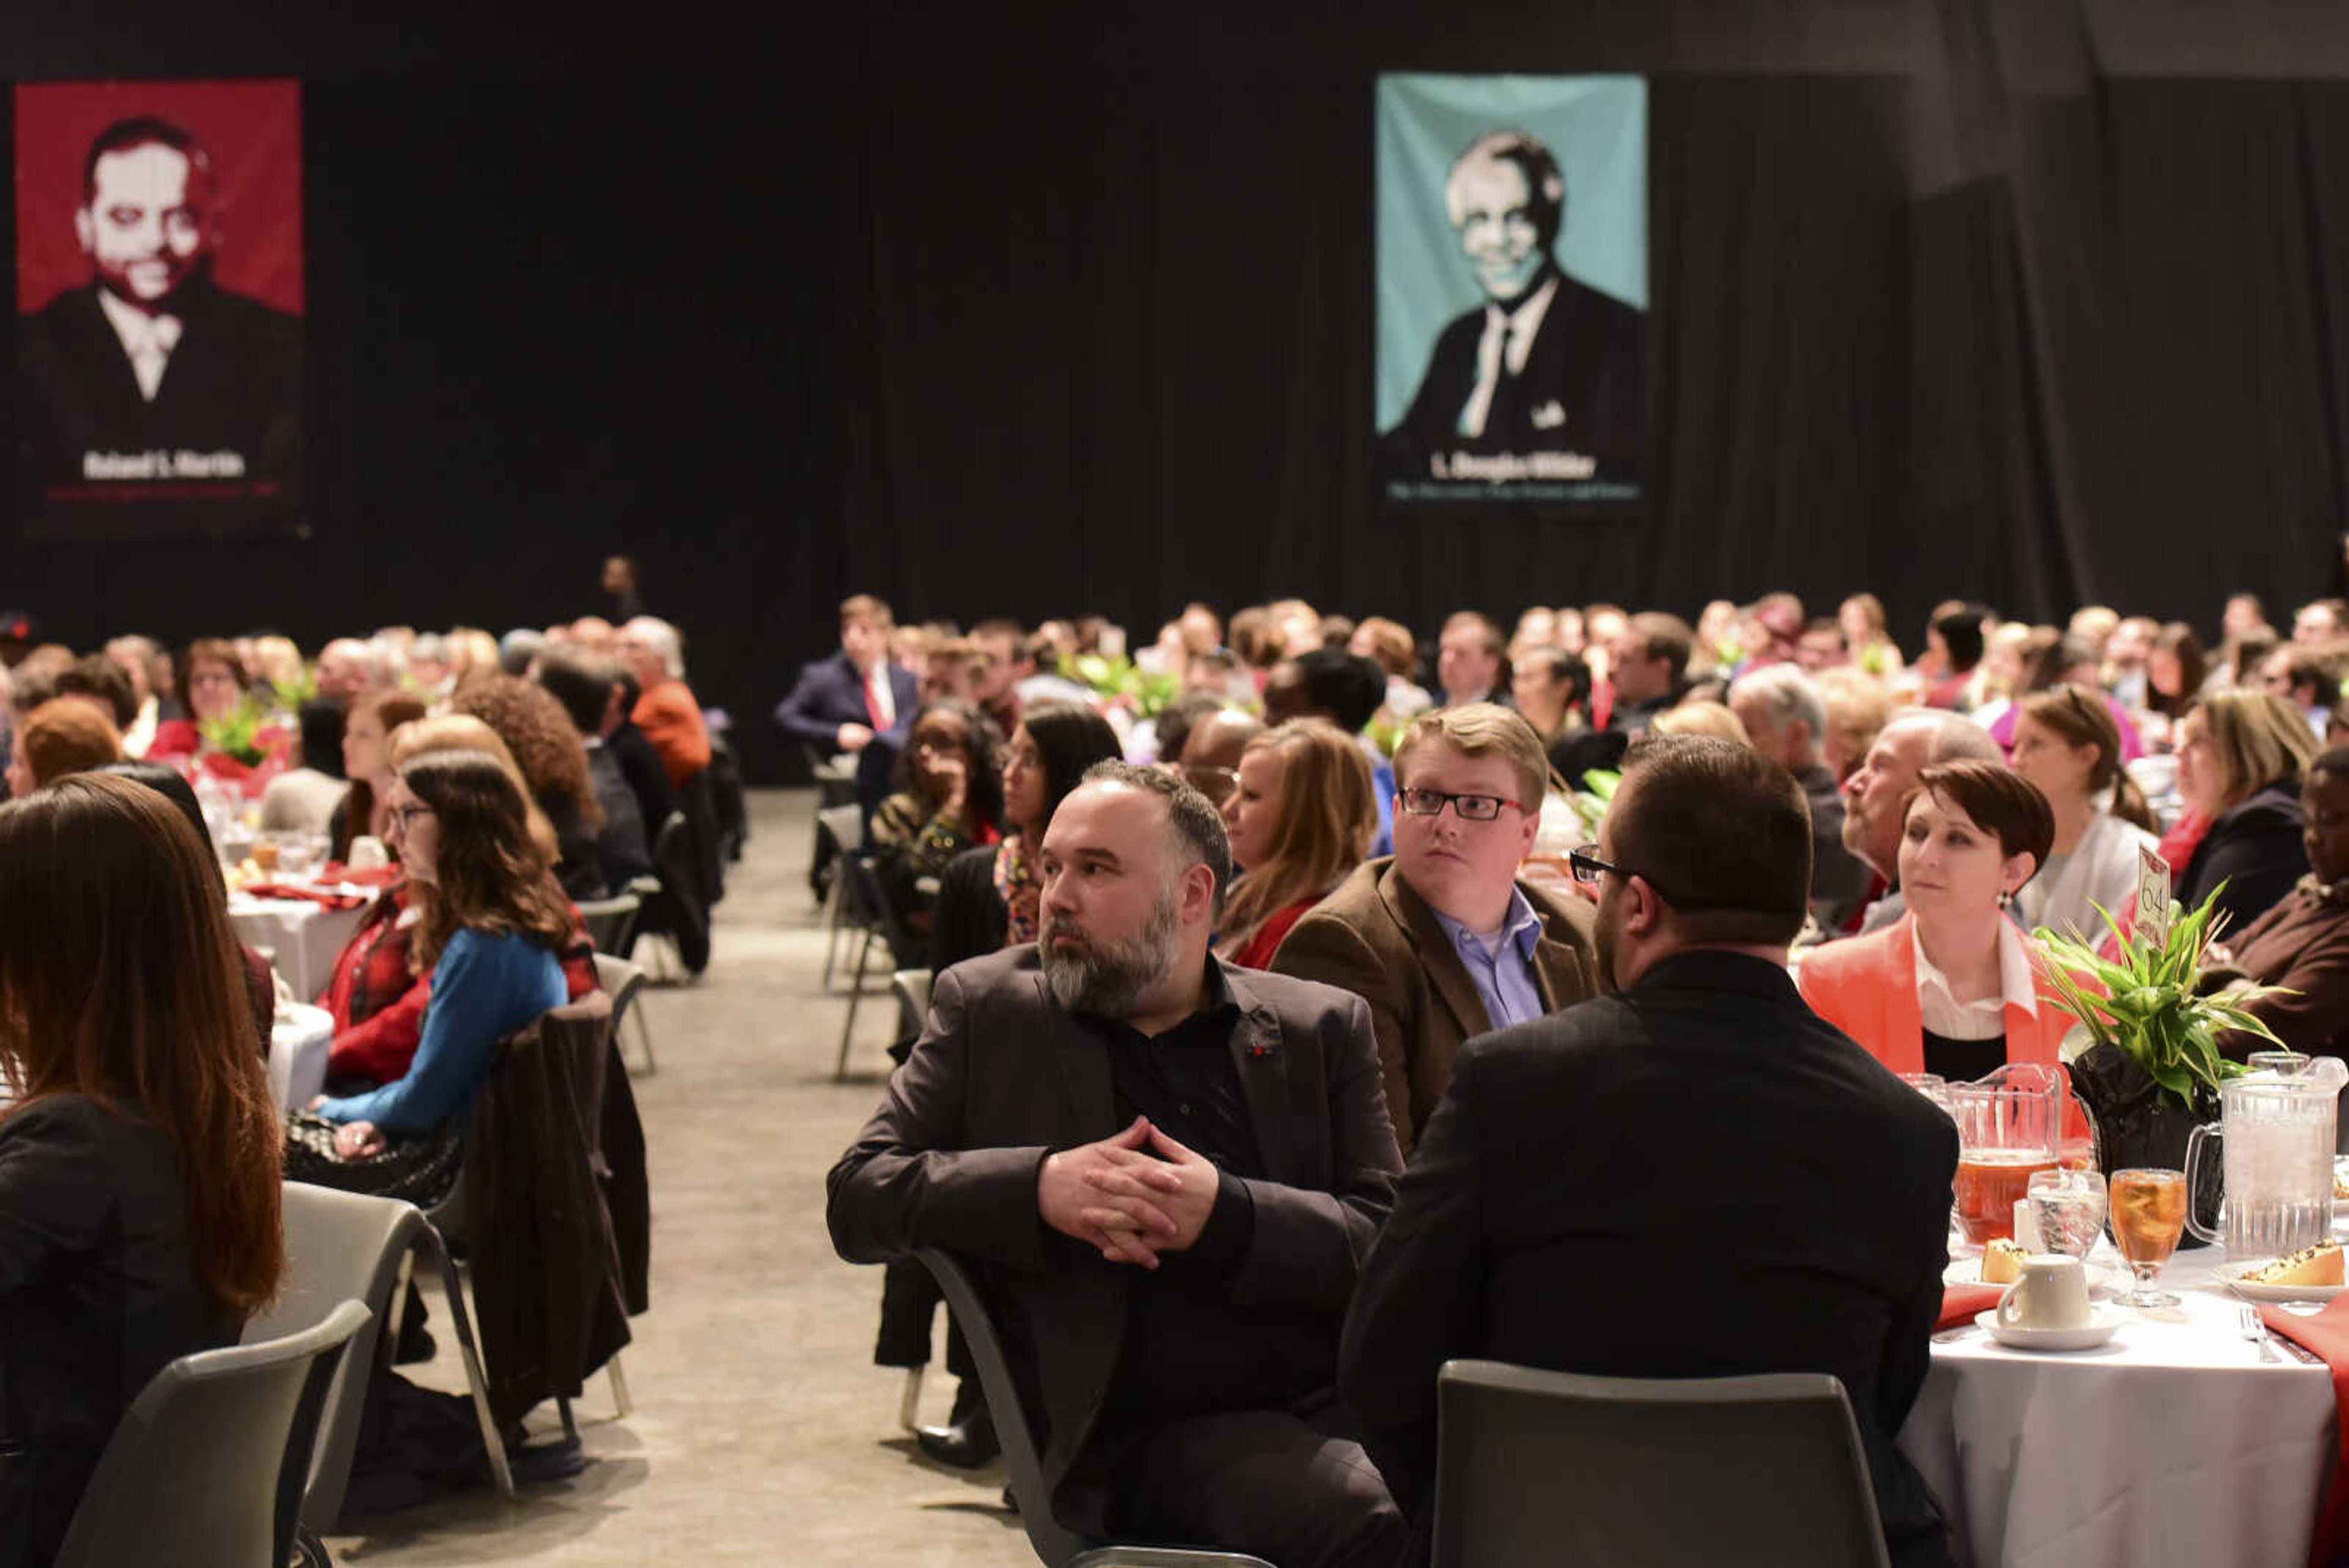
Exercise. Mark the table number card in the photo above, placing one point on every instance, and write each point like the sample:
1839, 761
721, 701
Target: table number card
2152, 897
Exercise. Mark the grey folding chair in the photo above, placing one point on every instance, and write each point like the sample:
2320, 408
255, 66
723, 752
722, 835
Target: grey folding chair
1056, 1545
626, 982
840, 832
1550, 1466
862, 873
911, 989
453, 1215
348, 1246
207, 1468
611, 922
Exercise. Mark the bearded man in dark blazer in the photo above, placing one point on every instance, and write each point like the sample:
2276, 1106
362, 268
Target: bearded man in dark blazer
1167, 1171
152, 356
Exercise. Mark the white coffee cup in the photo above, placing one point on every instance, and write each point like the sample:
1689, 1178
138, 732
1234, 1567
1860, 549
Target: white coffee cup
368, 853
2051, 1291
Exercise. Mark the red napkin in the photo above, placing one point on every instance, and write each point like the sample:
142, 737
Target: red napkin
2327, 1333
361, 876
1960, 1304
314, 895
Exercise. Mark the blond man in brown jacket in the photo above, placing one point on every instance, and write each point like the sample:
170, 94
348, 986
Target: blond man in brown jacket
1442, 939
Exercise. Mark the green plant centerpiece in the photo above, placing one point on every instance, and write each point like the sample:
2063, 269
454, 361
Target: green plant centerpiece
241, 734
2151, 1070
1119, 682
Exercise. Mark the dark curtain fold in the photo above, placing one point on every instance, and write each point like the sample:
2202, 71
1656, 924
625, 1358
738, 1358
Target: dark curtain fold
1034, 311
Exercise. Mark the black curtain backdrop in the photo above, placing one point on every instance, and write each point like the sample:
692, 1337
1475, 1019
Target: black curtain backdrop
1039, 310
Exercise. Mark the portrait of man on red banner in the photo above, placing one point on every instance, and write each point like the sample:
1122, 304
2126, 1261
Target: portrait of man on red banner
159, 300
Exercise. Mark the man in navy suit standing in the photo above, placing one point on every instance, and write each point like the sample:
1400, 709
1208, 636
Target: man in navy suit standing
842, 704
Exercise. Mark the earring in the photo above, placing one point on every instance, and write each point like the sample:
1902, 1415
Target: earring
2005, 897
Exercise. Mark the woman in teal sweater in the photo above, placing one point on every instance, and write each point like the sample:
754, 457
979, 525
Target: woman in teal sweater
491, 922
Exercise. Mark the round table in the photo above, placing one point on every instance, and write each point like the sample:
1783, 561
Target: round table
300, 935
2172, 1443
297, 1053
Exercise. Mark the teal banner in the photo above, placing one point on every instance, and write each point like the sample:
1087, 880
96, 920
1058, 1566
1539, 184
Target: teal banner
1511, 289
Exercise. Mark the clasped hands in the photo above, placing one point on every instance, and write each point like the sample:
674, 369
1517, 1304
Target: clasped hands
354, 1140
1130, 1205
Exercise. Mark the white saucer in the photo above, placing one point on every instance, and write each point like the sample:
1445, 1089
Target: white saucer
2232, 1276
2103, 1322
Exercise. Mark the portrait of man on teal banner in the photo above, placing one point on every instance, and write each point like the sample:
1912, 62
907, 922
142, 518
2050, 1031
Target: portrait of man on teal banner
1512, 288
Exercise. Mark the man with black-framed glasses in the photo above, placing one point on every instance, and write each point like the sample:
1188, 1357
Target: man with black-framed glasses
1442, 939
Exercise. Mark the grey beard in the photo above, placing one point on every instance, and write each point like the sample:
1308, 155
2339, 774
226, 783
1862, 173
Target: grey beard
1109, 977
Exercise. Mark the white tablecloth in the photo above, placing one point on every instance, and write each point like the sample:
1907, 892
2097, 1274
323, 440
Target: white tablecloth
2173, 1443
301, 936
297, 1053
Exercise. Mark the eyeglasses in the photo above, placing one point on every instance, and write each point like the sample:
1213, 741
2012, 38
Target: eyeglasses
1215, 784
1467, 807
406, 816
1583, 860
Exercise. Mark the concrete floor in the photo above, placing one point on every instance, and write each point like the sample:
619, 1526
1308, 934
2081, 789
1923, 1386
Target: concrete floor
761, 1431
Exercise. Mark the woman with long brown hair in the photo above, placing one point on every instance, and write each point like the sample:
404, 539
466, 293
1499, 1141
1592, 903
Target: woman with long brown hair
552, 756
138, 1169
489, 924
2067, 743
1300, 820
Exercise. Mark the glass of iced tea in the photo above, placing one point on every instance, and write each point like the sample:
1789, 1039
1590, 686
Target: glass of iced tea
2147, 1211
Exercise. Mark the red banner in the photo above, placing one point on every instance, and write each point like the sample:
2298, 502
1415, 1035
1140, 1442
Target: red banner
159, 300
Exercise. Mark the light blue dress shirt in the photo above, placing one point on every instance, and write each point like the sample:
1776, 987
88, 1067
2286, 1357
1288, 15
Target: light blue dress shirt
1504, 977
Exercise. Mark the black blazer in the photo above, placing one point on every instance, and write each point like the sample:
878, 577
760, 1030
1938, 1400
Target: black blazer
1697, 1178
830, 694
968, 920
647, 774
2255, 849
233, 383
97, 1292
1000, 1079
622, 848
1587, 369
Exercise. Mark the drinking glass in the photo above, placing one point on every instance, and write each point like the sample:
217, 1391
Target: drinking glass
2068, 1206
2285, 1062
2148, 1212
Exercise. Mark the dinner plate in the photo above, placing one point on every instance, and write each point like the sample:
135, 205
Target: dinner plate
2102, 1323
2233, 1275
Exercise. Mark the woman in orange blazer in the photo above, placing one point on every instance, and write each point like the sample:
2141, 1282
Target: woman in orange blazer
1952, 987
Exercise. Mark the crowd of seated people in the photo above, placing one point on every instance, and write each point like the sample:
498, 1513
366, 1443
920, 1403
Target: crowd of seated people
140, 1151
1930, 816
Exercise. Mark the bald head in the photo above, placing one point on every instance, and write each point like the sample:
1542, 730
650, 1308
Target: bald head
1876, 793
1218, 739
348, 669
